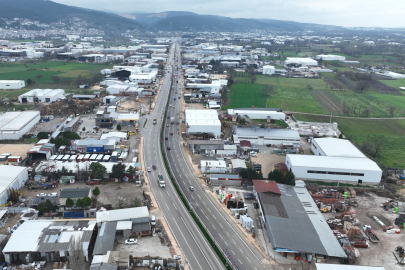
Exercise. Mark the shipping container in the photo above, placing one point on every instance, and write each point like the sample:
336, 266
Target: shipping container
59, 158
86, 157
99, 158
93, 157
106, 158
53, 158
65, 157
14, 159
80, 158
72, 158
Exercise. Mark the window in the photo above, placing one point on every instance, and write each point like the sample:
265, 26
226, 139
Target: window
335, 173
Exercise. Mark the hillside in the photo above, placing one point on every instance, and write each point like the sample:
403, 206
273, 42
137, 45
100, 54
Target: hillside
188, 21
48, 12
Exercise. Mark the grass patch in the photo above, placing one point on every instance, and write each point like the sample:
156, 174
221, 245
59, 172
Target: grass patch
32, 140
363, 130
394, 83
244, 95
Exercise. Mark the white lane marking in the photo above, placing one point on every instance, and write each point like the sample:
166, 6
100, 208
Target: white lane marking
214, 227
204, 203
240, 261
188, 244
167, 207
241, 250
228, 234
196, 244
175, 206
249, 260
209, 210
221, 225
234, 241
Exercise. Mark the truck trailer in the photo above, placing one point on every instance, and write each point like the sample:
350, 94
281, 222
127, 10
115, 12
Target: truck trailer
161, 181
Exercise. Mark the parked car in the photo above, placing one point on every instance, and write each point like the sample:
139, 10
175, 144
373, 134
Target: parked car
53, 194
154, 167
131, 241
191, 188
249, 196
41, 195
110, 128
168, 148
94, 182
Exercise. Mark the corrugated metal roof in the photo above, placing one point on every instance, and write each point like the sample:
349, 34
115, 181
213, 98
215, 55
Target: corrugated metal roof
267, 132
74, 192
293, 228
105, 238
140, 227
123, 214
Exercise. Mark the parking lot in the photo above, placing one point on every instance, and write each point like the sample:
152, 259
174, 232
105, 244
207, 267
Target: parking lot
146, 246
47, 126
268, 161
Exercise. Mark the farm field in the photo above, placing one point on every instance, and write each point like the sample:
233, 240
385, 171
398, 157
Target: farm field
244, 95
25, 71
394, 83
364, 130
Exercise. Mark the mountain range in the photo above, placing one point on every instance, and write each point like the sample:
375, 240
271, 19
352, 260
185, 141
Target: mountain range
47, 11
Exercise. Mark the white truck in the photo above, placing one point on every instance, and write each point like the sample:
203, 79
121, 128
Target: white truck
161, 181
172, 120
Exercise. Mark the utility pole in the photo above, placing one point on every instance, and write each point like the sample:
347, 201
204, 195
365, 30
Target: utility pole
330, 120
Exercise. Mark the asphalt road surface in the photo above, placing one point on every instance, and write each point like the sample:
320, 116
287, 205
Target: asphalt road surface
228, 238
198, 252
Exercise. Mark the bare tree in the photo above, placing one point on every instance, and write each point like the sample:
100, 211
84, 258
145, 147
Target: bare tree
362, 86
77, 260
268, 89
392, 110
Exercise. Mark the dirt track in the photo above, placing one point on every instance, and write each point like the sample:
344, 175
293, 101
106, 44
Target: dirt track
327, 101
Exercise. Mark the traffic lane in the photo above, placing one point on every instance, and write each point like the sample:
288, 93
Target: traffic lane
217, 220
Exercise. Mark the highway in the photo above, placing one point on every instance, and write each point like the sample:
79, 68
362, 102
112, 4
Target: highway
224, 232
198, 252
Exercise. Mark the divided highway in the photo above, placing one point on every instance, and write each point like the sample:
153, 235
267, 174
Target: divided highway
197, 250
222, 231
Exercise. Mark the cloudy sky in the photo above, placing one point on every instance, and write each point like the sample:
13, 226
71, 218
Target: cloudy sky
351, 13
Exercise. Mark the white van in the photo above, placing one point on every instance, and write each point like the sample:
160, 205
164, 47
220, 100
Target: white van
53, 194
153, 221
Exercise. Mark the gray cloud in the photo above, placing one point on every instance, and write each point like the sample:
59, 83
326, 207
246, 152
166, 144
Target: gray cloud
351, 13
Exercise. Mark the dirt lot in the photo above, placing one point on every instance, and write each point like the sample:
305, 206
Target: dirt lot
268, 161
47, 126
378, 254
146, 246
15, 150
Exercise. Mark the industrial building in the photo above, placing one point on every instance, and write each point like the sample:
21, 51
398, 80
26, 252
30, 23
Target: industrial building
225, 179
199, 122
11, 177
334, 160
138, 216
74, 194
335, 169
41, 95
258, 113
266, 136
213, 166
330, 57
300, 61
293, 221
13, 125
12, 84
268, 70
48, 240
328, 266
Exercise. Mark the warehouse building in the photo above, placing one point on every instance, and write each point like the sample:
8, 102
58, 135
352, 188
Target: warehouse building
300, 61
330, 57
258, 113
335, 169
41, 95
47, 240
12, 84
199, 122
266, 136
11, 177
13, 125
293, 221
268, 70
335, 160
328, 266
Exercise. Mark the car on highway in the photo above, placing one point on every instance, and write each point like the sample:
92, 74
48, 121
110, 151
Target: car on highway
177, 122
191, 188
167, 125
168, 148
131, 241
249, 196
154, 167
41, 195
149, 169
171, 133
166, 138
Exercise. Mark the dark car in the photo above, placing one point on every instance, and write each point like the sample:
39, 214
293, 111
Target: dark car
256, 205
171, 133
168, 148
110, 128
167, 125
154, 167
177, 123
257, 165
168, 117
166, 138
249, 196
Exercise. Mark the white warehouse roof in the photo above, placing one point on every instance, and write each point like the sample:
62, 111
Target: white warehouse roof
338, 148
123, 214
327, 266
302, 61
203, 122
15, 121
327, 162
43, 93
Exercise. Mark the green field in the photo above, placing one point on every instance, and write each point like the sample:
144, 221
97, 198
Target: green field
361, 130
394, 83
29, 70
245, 95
